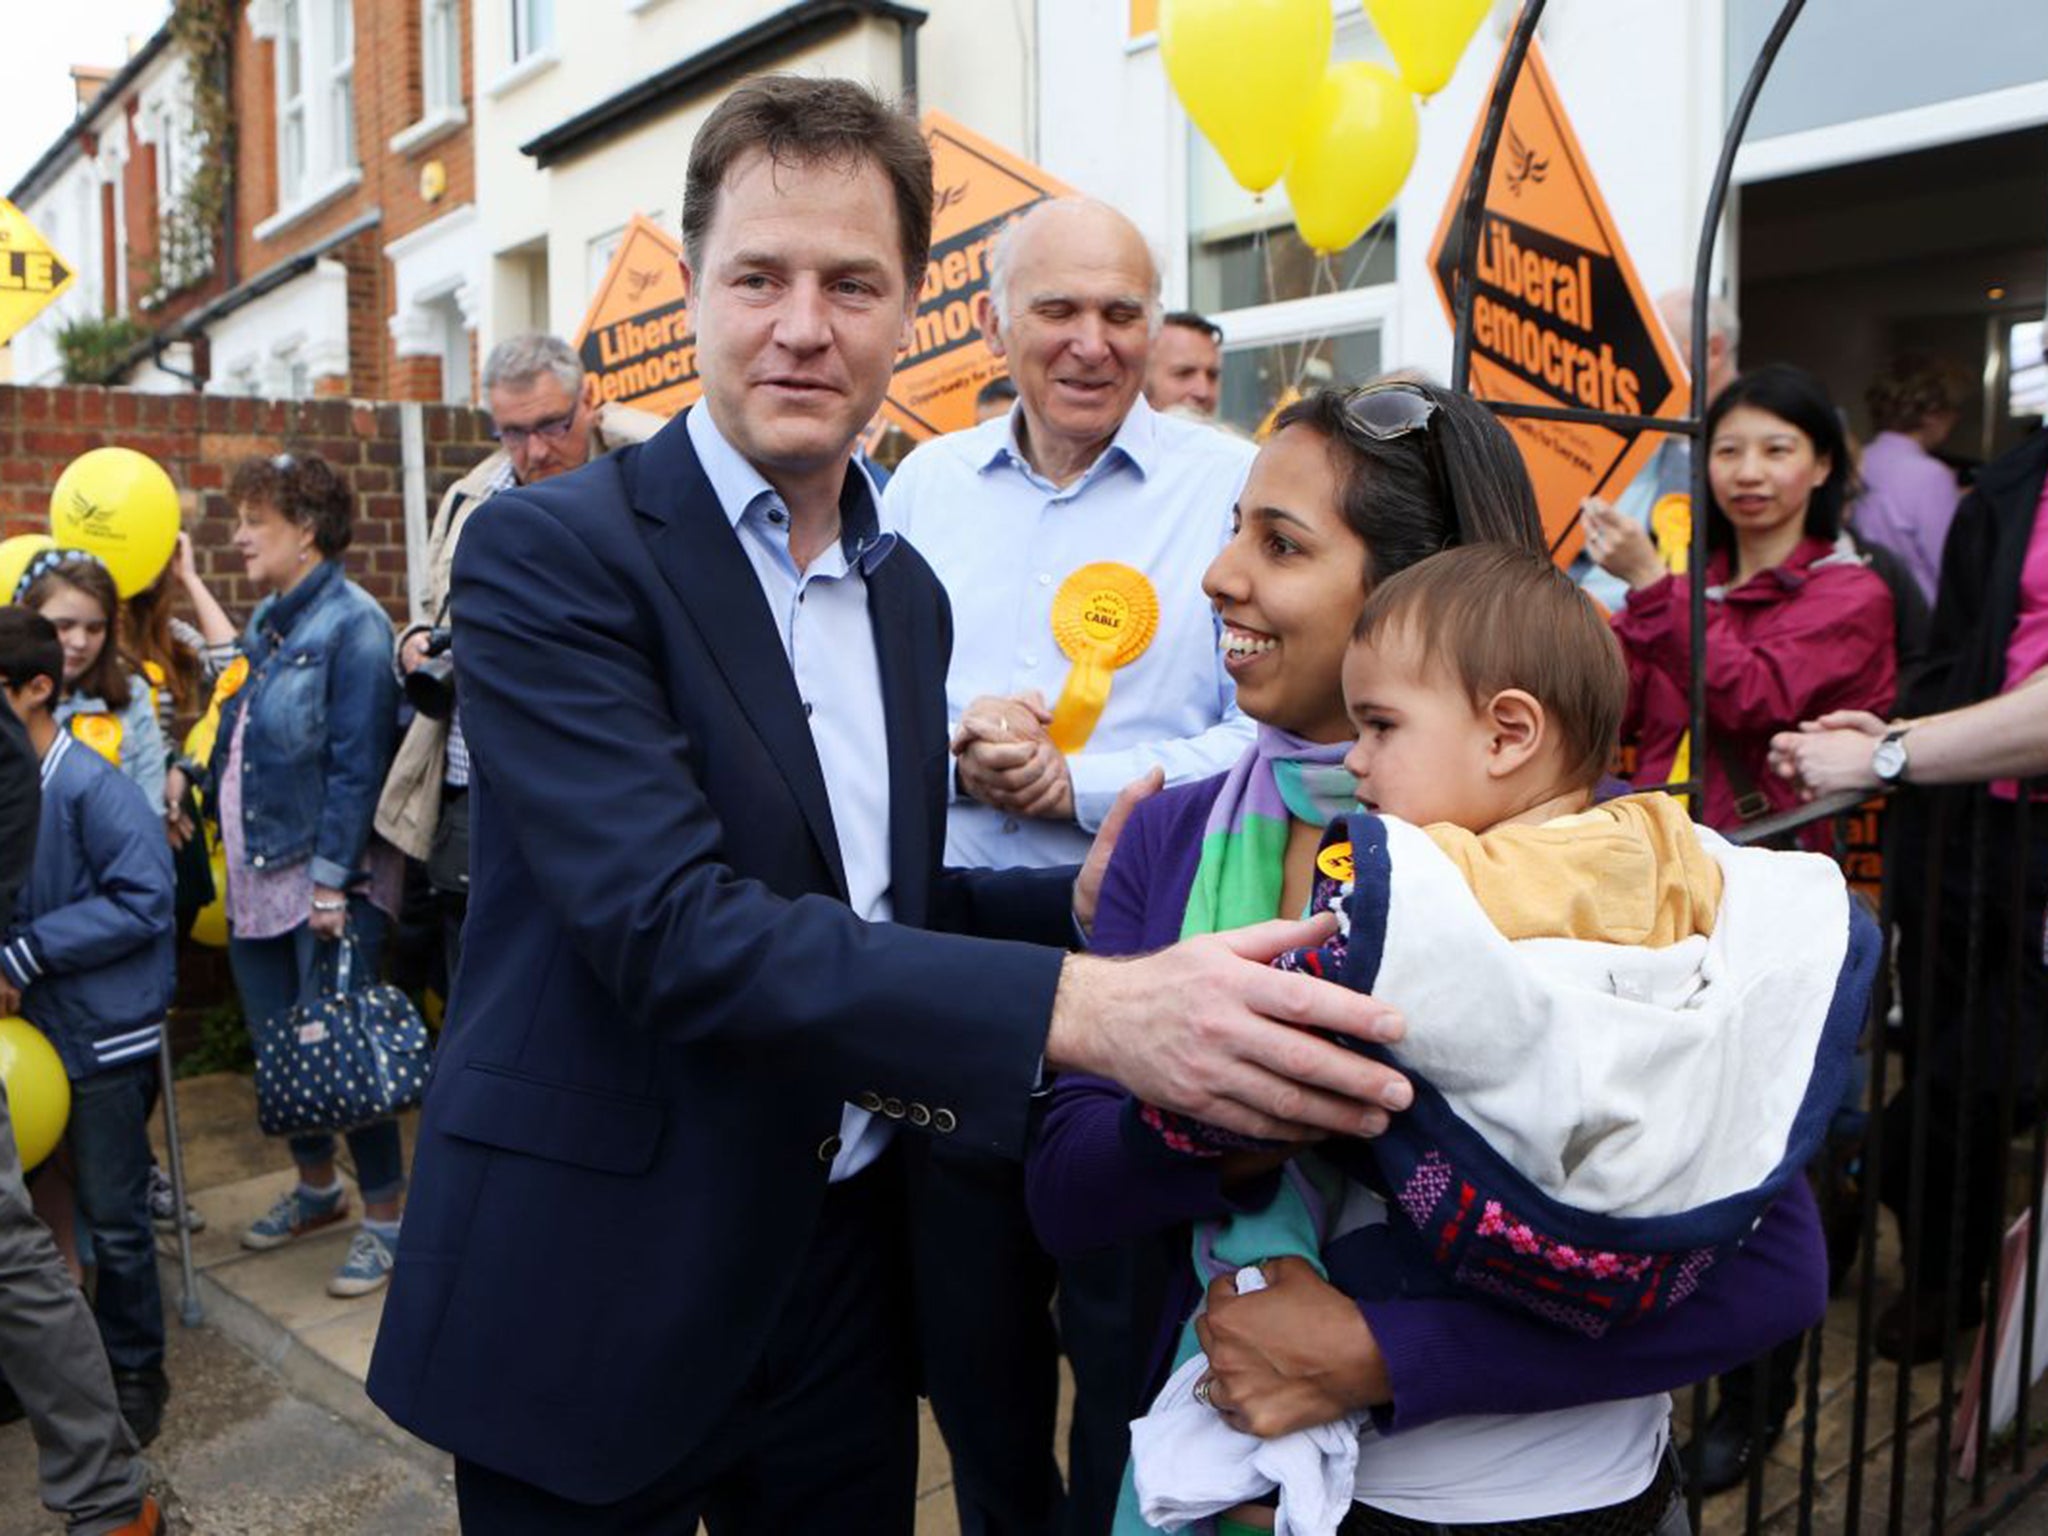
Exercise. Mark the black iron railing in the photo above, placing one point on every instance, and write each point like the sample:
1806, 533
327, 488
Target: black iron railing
1971, 857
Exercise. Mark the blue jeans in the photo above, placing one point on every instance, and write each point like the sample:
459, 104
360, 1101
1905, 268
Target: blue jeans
272, 975
110, 1143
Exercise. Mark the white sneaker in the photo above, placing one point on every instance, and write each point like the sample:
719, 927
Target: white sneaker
367, 1267
163, 1205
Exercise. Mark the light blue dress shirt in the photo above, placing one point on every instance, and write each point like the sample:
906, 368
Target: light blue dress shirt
1002, 538
821, 613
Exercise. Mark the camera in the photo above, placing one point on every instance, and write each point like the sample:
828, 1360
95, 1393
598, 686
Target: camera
430, 686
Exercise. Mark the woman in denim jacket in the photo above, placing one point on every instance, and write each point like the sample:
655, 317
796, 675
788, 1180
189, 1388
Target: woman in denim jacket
305, 736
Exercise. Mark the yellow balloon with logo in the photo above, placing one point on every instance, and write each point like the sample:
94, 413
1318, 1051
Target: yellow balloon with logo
1427, 37
38, 1092
1355, 151
119, 505
15, 554
1244, 70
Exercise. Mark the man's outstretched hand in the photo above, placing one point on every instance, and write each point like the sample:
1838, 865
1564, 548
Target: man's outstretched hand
1208, 1029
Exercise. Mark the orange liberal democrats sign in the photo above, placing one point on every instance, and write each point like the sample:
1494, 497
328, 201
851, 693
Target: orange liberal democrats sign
636, 340
979, 188
1559, 316
637, 343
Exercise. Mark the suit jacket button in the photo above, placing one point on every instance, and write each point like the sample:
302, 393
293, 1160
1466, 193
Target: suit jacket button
945, 1122
870, 1101
828, 1149
893, 1108
920, 1116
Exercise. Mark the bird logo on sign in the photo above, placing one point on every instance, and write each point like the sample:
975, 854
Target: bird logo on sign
1524, 164
638, 281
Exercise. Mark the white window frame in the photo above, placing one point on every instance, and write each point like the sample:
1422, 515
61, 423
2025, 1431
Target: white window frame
1893, 133
440, 57
294, 126
164, 125
113, 158
169, 164
341, 83
441, 105
1327, 314
532, 30
318, 158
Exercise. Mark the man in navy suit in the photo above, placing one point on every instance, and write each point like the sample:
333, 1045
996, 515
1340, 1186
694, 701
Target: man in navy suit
651, 1270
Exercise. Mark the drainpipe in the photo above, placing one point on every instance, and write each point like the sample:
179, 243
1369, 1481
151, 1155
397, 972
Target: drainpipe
156, 355
412, 450
229, 265
907, 34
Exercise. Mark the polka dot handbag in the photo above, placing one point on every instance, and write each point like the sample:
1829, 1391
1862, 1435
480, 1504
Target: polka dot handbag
342, 1056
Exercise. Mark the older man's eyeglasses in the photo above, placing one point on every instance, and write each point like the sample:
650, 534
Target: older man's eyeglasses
552, 430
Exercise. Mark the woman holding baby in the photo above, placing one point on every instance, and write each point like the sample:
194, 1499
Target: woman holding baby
1473, 1413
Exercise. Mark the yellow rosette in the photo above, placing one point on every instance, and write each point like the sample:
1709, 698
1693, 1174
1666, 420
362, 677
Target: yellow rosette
230, 681
199, 740
100, 732
1104, 617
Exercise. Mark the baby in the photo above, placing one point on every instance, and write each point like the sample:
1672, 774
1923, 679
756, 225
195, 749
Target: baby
1625, 1035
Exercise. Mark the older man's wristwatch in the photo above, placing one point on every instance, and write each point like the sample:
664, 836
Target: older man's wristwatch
1888, 757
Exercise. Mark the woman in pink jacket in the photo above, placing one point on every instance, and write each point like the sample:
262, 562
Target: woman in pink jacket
1797, 623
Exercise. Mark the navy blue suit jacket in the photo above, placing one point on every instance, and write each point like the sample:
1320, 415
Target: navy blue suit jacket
664, 999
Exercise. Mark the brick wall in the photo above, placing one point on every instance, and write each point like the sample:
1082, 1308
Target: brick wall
200, 439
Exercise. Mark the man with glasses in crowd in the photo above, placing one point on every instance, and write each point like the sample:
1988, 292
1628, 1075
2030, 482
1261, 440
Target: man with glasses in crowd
546, 420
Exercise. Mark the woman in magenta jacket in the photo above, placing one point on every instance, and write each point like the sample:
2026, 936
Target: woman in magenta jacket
1349, 489
1797, 623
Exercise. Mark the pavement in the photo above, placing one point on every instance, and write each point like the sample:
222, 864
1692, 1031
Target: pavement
269, 1433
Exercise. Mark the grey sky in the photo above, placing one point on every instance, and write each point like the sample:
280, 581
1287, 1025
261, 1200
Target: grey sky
35, 67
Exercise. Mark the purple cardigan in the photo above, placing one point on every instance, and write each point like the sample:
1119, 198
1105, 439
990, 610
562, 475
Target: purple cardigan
1446, 1356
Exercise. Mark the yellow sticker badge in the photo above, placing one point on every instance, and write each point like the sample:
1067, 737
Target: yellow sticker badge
1104, 617
100, 732
1671, 527
1335, 861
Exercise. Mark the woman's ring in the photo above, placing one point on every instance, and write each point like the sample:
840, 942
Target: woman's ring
1202, 1391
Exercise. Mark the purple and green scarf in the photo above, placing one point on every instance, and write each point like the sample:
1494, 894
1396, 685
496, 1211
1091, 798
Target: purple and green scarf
1244, 846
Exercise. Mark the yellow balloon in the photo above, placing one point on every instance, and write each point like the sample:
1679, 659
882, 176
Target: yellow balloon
1427, 37
120, 505
38, 1092
1355, 150
15, 555
1244, 70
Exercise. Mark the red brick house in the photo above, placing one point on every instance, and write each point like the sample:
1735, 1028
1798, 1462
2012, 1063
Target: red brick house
344, 259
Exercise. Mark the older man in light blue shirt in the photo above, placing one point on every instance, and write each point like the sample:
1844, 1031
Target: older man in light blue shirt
1080, 474
1071, 536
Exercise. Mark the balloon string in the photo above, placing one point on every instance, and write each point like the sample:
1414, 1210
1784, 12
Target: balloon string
1309, 344
1377, 234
